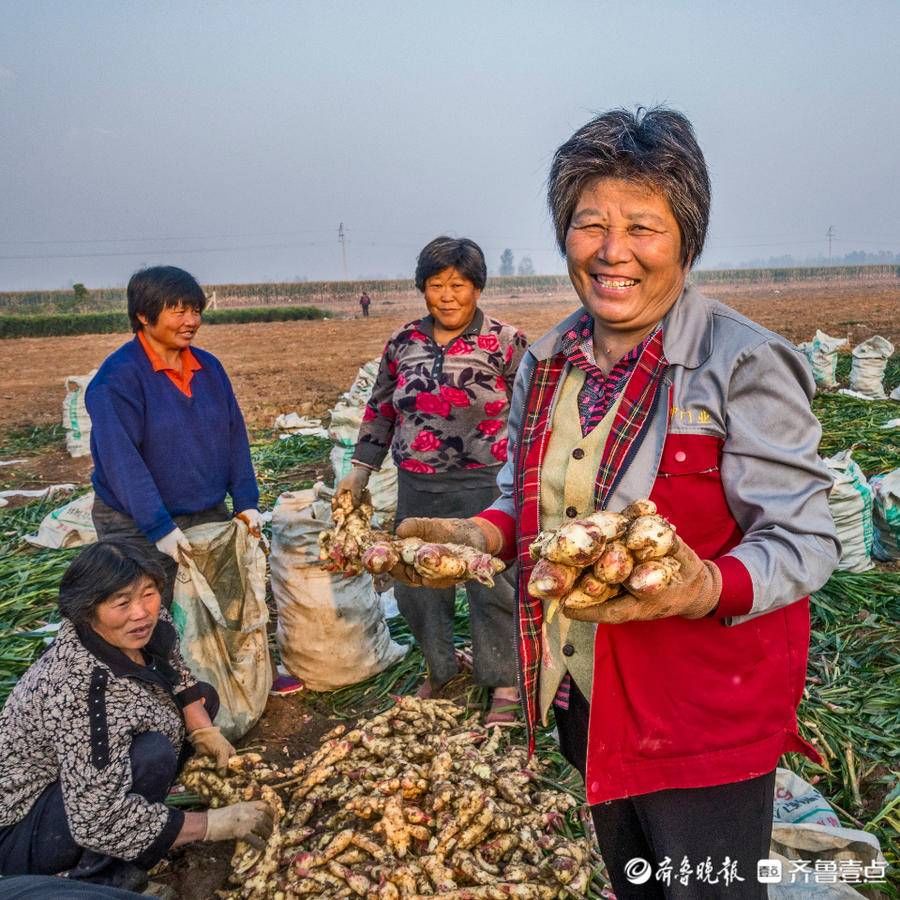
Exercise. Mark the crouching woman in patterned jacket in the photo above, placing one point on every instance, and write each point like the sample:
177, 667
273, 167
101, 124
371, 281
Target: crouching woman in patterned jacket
94, 734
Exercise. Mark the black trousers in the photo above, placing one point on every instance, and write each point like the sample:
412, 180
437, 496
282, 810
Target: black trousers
47, 887
721, 831
42, 844
110, 523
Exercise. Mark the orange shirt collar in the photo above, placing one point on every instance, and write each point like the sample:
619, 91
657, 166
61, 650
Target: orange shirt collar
189, 365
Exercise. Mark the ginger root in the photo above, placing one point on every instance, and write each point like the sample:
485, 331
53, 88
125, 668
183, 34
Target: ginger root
589, 560
351, 546
552, 580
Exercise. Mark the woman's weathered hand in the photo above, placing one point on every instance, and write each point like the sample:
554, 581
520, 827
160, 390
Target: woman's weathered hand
210, 741
474, 532
251, 822
407, 574
692, 594
355, 481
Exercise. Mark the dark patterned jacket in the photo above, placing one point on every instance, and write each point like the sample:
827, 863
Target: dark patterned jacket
442, 409
71, 718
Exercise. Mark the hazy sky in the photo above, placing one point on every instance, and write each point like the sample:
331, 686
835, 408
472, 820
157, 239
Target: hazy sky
232, 138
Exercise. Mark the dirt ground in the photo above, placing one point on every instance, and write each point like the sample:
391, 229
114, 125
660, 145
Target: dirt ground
304, 366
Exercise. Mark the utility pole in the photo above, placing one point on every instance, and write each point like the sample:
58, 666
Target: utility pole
829, 235
343, 248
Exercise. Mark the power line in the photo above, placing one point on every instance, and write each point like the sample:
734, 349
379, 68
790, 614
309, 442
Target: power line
344, 234
170, 251
195, 237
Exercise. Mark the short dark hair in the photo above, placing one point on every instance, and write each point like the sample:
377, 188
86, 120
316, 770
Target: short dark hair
656, 147
445, 252
98, 572
151, 290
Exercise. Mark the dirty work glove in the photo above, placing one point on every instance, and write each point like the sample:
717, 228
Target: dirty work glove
692, 594
407, 574
475, 532
354, 481
253, 520
251, 822
176, 545
209, 741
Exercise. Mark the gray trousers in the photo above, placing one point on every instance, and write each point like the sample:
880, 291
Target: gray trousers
430, 611
110, 523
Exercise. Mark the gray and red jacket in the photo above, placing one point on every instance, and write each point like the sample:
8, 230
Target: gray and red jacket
729, 455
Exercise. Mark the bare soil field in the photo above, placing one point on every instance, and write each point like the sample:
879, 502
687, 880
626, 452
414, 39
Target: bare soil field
303, 366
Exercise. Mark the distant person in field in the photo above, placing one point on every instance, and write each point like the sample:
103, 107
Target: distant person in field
439, 406
168, 439
365, 301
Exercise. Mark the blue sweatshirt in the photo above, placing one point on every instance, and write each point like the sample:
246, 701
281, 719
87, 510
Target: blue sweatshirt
158, 453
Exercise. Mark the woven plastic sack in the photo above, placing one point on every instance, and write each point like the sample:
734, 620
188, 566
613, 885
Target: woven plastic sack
850, 502
867, 369
220, 612
75, 418
382, 484
886, 516
331, 630
343, 429
343, 426
346, 417
822, 353
806, 828
69, 526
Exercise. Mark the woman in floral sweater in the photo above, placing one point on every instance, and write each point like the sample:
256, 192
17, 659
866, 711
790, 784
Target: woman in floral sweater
439, 405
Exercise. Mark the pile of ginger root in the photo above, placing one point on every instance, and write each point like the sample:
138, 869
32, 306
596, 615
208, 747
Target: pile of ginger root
417, 801
352, 546
593, 559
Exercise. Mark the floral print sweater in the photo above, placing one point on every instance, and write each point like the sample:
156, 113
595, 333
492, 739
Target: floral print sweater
442, 409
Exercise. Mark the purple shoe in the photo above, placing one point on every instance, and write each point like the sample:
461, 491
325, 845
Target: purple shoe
286, 684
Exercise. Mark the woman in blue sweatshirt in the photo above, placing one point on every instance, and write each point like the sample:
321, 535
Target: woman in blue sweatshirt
168, 439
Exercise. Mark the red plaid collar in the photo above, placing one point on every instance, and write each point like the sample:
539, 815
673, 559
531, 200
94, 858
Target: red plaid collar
642, 392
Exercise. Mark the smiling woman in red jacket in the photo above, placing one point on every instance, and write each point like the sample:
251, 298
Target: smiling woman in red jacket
675, 709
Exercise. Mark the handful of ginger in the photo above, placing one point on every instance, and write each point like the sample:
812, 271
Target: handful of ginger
352, 546
591, 560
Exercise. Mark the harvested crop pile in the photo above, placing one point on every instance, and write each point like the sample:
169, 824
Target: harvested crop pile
416, 801
590, 560
351, 546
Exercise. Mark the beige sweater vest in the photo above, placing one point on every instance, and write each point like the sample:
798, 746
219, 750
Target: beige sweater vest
568, 474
